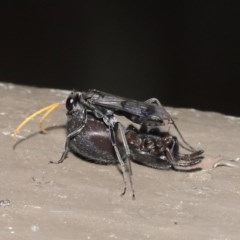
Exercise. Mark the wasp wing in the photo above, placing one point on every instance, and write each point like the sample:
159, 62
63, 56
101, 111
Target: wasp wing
137, 111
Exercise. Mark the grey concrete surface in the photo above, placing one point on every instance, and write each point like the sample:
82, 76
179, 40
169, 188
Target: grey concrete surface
81, 200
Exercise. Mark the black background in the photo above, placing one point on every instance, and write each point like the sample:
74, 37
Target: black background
187, 55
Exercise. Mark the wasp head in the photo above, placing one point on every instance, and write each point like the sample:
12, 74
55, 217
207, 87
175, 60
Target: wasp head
73, 102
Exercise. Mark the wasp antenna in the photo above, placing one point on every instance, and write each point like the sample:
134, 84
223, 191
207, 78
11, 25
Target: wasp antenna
53, 107
47, 109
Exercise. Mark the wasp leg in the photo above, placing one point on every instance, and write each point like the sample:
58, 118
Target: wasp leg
128, 156
182, 160
109, 119
170, 158
70, 136
114, 125
155, 101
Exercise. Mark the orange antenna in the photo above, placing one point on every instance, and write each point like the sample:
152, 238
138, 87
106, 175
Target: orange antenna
47, 111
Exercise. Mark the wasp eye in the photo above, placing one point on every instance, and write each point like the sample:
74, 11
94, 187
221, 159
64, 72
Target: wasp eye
69, 103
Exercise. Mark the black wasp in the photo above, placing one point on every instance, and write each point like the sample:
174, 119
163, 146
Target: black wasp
95, 133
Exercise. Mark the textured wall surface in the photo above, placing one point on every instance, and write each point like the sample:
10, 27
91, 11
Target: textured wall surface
80, 200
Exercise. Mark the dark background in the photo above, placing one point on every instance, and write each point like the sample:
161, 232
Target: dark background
187, 55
